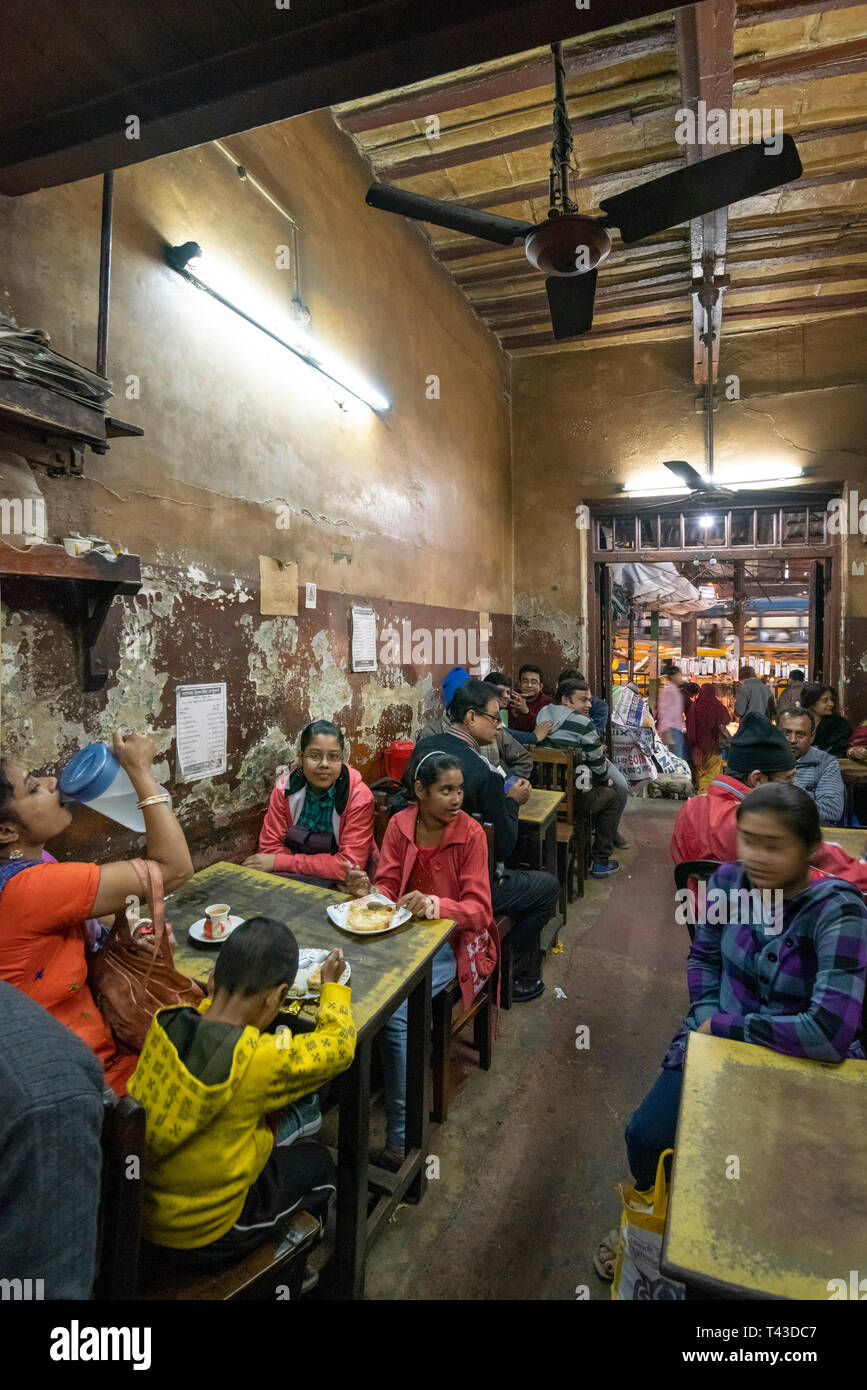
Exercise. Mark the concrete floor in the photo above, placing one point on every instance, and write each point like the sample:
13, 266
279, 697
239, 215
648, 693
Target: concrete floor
533, 1150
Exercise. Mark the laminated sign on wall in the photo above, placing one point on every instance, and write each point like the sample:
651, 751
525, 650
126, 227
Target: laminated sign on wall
363, 639
200, 718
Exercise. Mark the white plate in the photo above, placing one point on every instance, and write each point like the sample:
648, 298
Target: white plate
197, 931
337, 912
308, 957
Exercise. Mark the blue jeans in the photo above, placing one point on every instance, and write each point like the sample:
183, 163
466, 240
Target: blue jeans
393, 1051
652, 1127
680, 747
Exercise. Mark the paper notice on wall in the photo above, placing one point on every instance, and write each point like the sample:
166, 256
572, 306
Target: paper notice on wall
278, 587
200, 721
363, 639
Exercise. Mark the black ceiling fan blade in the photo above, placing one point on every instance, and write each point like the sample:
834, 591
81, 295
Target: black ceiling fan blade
570, 300
703, 187
472, 221
689, 476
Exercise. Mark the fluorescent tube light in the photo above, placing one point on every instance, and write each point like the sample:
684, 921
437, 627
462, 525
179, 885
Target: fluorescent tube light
179, 258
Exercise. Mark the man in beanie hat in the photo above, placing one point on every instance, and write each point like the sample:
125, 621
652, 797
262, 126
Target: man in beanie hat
707, 825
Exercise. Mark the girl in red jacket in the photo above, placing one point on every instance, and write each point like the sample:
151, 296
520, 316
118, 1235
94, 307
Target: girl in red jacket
434, 860
319, 815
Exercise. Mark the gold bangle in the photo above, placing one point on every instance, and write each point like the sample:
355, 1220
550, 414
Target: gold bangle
153, 800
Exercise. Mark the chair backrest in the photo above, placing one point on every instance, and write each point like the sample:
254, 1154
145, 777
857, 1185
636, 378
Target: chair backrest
123, 1133
381, 817
554, 770
491, 839
693, 869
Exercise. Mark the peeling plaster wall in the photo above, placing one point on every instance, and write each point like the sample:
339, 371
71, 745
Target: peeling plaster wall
583, 422
246, 452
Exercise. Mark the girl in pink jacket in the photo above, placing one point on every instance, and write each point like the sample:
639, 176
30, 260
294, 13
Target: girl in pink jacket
320, 815
434, 860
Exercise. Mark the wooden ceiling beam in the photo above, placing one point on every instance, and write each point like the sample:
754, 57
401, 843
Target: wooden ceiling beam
705, 49
837, 60
652, 283
750, 15
812, 307
611, 330
538, 188
519, 270
472, 90
340, 56
465, 250
429, 161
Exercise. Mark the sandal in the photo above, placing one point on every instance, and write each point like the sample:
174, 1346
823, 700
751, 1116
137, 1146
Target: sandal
611, 1243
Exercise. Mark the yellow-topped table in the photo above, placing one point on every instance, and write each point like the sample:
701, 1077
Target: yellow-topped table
852, 840
386, 970
538, 818
769, 1184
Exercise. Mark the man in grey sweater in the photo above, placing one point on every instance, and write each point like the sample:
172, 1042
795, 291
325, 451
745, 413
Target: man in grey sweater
754, 697
816, 772
51, 1108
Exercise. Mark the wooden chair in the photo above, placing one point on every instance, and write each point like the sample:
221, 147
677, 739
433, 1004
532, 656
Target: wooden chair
693, 869
381, 817
447, 1023
124, 1273
554, 770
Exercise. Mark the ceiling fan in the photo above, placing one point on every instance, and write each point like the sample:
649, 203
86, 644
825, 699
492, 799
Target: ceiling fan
568, 246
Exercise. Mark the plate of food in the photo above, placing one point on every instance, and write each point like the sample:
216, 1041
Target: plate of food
308, 982
368, 916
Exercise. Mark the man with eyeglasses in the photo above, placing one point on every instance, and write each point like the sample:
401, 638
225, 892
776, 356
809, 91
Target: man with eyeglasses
528, 700
503, 752
527, 896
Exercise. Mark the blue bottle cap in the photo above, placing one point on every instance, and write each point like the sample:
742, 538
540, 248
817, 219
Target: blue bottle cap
90, 773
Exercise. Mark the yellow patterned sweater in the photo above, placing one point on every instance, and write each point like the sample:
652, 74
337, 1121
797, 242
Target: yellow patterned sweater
205, 1145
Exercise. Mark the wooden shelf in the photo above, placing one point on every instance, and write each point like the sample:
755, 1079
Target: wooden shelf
96, 581
52, 562
38, 410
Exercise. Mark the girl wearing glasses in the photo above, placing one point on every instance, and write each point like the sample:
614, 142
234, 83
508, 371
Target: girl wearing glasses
320, 814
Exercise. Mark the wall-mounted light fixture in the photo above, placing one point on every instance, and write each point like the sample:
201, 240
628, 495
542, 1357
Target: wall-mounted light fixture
179, 259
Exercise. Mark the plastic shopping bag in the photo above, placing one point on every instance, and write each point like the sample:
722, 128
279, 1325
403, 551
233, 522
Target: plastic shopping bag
642, 1227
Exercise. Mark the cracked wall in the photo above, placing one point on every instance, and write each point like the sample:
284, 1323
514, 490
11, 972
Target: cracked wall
247, 452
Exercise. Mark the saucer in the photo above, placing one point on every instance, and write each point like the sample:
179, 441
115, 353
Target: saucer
197, 931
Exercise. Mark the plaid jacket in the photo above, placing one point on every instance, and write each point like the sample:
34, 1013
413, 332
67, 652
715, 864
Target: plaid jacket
797, 989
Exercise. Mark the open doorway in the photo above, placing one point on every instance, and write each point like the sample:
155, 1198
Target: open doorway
751, 584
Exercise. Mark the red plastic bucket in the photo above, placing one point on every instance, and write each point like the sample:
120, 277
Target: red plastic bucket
397, 755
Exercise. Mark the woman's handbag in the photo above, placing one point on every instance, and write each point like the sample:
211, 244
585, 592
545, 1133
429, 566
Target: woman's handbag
642, 1227
129, 984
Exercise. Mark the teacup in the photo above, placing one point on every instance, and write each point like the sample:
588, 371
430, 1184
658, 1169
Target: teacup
216, 920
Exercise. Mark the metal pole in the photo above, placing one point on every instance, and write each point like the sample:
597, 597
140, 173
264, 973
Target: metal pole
104, 272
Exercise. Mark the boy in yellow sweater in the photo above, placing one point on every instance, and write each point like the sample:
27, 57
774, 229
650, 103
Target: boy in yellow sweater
215, 1184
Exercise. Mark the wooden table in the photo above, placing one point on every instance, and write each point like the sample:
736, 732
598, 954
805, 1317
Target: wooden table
853, 840
796, 1217
854, 774
386, 970
538, 817
537, 822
